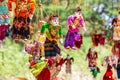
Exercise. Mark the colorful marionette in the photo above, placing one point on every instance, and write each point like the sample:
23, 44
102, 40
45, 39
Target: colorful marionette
23, 14
33, 48
68, 61
98, 38
4, 20
109, 73
58, 62
53, 34
92, 57
116, 27
73, 38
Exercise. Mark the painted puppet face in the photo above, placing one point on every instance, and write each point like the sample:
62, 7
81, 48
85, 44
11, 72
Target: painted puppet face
92, 50
55, 21
78, 14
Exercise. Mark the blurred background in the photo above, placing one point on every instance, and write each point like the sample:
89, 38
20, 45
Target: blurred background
98, 15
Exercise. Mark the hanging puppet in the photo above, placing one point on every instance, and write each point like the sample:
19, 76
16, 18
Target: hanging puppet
53, 33
74, 38
109, 73
68, 61
23, 14
56, 68
116, 27
4, 19
92, 56
33, 48
98, 38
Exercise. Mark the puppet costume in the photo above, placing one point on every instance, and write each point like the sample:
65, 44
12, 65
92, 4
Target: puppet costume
45, 73
52, 35
73, 38
21, 23
108, 74
4, 20
95, 71
98, 38
116, 27
68, 61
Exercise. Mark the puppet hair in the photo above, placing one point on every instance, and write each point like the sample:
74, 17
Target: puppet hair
78, 9
53, 16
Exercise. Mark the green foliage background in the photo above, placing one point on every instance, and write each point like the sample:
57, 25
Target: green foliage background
14, 60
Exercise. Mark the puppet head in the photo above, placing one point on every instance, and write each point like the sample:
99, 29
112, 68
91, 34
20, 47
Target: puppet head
92, 50
54, 19
78, 12
68, 56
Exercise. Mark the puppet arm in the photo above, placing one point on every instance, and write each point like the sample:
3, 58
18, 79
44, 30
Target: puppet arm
83, 24
44, 26
70, 22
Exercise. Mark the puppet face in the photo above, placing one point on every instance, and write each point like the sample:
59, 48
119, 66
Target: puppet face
78, 14
68, 57
55, 21
92, 50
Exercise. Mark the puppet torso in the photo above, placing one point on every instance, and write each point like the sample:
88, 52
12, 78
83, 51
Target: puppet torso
92, 56
54, 30
77, 22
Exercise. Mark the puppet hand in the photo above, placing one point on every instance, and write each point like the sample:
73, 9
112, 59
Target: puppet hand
61, 41
31, 16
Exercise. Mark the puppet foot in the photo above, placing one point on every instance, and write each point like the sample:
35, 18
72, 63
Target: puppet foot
68, 47
74, 48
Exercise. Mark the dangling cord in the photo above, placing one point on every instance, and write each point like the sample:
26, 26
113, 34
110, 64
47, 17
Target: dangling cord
55, 6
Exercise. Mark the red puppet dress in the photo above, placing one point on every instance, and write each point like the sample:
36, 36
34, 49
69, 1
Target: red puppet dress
108, 74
